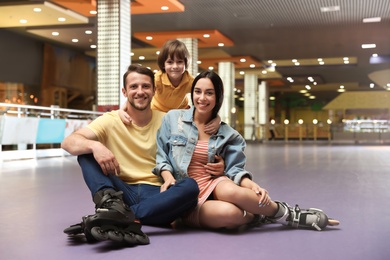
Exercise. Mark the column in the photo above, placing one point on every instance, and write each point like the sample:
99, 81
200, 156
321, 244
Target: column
263, 110
250, 105
192, 46
113, 51
226, 72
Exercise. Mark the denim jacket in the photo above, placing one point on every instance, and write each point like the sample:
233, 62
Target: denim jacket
177, 138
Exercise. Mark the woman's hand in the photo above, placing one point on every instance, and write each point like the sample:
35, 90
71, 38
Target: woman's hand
169, 180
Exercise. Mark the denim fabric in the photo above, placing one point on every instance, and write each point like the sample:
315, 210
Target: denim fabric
177, 138
149, 205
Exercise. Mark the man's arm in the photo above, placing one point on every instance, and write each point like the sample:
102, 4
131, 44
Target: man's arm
82, 141
85, 141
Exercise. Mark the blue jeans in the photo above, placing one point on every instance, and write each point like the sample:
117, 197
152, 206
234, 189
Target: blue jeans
149, 205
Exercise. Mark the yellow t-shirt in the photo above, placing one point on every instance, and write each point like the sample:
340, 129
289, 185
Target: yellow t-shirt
134, 147
168, 97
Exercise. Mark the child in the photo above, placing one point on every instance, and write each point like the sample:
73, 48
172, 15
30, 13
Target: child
172, 82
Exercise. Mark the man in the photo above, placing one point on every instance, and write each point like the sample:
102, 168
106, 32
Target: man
117, 162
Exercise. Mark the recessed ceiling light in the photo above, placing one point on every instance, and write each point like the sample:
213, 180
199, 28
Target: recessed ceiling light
92, 12
374, 55
61, 19
252, 65
294, 60
37, 10
297, 63
23, 21
242, 72
88, 32
149, 38
93, 46
164, 8
368, 46
372, 20
141, 57
307, 87
330, 9
206, 35
211, 68
221, 44
372, 85
55, 33
75, 40
199, 62
264, 71
242, 60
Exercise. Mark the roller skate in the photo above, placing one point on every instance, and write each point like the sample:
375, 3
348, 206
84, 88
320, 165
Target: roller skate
311, 218
113, 220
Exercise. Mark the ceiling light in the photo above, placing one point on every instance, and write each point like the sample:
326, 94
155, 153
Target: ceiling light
270, 61
141, 57
294, 60
88, 32
312, 97
307, 87
55, 33
242, 60
158, 52
93, 46
374, 55
330, 9
132, 54
37, 10
372, 20
264, 72
242, 72
23, 21
368, 46
321, 63
61, 19
199, 62
164, 8
271, 98
211, 68
345, 58
221, 44
297, 63
75, 40
303, 91
341, 90
341, 86
372, 85
92, 12
346, 62
149, 38
206, 35
320, 59
252, 65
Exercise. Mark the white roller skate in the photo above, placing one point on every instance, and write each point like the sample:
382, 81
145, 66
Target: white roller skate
302, 218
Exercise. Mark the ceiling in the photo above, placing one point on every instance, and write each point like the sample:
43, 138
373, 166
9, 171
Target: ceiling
260, 31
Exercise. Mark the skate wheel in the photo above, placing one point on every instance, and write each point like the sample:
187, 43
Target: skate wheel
99, 234
115, 236
73, 230
130, 238
142, 240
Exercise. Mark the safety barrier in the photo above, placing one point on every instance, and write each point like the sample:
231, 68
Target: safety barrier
23, 127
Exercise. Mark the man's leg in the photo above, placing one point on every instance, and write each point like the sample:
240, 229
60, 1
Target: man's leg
163, 208
93, 174
113, 219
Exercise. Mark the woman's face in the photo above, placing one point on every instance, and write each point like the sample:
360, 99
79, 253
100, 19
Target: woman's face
204, 96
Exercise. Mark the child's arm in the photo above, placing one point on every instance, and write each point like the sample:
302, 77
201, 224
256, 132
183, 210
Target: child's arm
126, 119
212, 126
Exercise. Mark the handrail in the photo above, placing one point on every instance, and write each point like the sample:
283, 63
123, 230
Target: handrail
54, 111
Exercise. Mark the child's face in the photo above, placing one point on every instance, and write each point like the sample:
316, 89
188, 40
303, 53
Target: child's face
175, 68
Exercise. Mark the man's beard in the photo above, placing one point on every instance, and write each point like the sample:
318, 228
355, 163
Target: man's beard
139, 107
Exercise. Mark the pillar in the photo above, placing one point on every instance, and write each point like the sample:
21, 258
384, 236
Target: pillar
192, 46
226, 72
263, 110
250, 104
113, 51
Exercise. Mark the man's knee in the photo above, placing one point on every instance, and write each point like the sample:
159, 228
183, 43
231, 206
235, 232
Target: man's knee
189, 186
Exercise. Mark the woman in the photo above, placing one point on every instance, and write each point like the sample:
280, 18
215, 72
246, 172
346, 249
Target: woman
227, 201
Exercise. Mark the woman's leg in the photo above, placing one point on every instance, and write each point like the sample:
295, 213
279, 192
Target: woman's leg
217, 214
243, 198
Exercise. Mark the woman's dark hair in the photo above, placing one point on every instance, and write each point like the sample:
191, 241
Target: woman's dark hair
171, 49
218, 88
139, 69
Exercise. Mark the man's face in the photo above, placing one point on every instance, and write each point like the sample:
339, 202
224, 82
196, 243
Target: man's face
138, 90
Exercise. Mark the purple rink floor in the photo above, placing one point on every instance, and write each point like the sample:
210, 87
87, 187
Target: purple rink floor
41, 197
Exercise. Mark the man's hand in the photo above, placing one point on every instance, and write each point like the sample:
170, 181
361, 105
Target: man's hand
106, 159
217, 168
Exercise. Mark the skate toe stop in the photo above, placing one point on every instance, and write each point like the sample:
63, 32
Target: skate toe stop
333, 222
